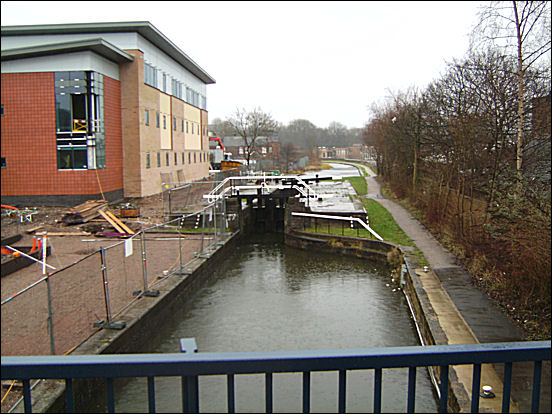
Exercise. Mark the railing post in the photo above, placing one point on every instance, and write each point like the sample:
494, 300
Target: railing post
190, 385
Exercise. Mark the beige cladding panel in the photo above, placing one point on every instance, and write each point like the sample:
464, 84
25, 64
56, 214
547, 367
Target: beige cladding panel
193, 134
178, 135
150, 135
165, 121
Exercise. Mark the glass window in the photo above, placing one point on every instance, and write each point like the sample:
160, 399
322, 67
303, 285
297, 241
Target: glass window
189, 158
174, 123
182, 125
148, 164
186, 127
79, 120
157, 119
147, 117
182, 158
195, 161
72, 158
150, 75
164, 122
175, 158
159, 159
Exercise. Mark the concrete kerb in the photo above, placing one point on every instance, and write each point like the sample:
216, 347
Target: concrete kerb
440, 323
140, 317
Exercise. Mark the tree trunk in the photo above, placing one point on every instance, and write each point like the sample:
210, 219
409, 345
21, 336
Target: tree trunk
521, 103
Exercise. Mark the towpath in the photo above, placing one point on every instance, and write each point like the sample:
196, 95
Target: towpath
464, 313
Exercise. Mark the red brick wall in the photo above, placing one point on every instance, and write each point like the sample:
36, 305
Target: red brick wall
29, 140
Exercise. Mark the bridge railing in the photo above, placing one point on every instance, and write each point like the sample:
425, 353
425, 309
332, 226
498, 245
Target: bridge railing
191, 364
230, 185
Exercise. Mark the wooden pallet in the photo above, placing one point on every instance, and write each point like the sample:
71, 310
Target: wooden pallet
87, 210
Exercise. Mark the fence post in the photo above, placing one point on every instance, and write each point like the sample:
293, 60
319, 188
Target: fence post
49, 295
109, 323
215, 220
147, 292
202, 228
180, 225
105, 285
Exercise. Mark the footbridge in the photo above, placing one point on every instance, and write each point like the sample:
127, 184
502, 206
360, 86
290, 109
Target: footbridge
253, 186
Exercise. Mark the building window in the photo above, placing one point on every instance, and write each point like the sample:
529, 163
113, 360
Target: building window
174, 123
164, 82
175, 158
2, 109
164, 122
182, 125
147, 117
195, 161
148, 164
150, 75
186, 127
80, 139
157, 119
159, 159
189, 158
192, 128
167, 158
3, 162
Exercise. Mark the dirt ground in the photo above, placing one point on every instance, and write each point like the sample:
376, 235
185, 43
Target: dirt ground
76, 292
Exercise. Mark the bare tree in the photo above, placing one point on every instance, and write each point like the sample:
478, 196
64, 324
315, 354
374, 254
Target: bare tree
521, 28
220, 128
250, 126
288, 152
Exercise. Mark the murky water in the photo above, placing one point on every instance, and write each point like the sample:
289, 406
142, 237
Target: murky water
266, 296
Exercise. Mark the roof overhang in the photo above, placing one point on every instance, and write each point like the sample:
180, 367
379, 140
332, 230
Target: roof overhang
99, 46
145, 29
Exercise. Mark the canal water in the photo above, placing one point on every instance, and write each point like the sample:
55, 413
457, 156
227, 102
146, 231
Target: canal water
267, 296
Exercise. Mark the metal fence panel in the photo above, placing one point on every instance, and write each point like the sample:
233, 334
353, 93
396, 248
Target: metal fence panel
77, 302
124, 265
25, 323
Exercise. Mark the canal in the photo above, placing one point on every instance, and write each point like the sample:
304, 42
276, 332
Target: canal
266, 296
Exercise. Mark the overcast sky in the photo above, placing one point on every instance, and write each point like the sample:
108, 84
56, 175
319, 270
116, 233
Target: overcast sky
320, 61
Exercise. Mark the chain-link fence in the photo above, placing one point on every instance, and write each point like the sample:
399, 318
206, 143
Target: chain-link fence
62, 309
178, 198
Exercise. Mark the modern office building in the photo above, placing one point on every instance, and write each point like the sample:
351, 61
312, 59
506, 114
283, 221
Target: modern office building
98, 110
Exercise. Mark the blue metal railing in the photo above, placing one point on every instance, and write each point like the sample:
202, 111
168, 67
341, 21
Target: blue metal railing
189, 365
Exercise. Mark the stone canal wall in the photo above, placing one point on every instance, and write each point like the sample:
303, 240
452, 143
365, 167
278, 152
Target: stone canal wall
141, 320
425, 318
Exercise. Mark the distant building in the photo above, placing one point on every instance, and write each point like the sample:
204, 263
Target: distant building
359, 152
92, 109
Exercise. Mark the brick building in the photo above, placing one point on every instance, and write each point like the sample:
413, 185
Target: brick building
92, 109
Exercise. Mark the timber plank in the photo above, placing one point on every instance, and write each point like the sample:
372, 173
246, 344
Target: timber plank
110, 221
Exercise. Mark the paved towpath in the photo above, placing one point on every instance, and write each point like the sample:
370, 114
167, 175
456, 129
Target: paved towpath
465, 314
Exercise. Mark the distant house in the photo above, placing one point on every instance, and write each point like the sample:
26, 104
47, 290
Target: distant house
98, 109
265, 148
